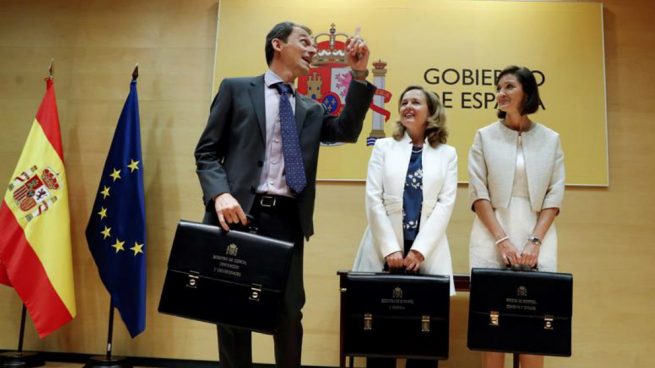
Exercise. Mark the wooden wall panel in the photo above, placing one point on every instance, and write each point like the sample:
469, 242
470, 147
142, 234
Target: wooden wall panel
605, 234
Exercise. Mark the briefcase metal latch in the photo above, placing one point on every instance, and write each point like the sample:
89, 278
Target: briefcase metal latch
192, 280
494, 318
425, 323
368, 322
548, 323
255, 292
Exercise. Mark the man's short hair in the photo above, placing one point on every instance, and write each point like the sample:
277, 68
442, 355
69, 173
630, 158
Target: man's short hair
280, 31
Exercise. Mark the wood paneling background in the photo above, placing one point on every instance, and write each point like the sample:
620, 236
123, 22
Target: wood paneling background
605, 234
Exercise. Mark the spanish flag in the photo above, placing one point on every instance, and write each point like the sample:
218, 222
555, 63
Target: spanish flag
35, 238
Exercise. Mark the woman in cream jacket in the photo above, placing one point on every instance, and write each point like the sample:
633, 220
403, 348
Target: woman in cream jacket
516, 170
410, 193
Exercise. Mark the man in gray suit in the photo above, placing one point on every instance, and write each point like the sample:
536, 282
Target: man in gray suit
258, 155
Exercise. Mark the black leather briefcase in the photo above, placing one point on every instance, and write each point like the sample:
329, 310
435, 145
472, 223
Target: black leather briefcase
232, 278
520, 311
389, 315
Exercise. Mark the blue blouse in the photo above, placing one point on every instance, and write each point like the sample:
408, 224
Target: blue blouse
413, 195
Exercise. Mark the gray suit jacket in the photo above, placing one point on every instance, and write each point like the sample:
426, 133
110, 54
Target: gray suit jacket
230, 152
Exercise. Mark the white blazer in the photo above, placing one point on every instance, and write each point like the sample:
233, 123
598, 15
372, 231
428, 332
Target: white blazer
385, 185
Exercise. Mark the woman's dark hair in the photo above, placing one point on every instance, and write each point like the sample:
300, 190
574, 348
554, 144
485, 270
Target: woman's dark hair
435, 128
280, 31
529, 83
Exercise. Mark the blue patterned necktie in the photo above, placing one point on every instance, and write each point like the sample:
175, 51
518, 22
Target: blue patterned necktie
294, 170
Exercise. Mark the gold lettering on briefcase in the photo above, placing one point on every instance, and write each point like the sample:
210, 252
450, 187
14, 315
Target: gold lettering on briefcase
521, 302
229, 264
232, 250
397, 300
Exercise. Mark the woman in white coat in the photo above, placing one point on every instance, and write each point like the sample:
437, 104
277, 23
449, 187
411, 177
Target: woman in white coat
410, 194
516, 170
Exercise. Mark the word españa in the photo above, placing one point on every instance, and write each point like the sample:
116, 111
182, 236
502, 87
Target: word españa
476, 99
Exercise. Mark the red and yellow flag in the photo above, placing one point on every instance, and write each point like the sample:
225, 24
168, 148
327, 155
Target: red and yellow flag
35, 241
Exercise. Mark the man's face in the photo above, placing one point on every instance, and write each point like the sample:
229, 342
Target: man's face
297, 52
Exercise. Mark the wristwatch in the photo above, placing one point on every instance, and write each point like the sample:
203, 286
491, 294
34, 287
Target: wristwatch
534, 240
359, 74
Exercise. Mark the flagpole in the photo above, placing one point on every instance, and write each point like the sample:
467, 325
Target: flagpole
110, 332
20, 358
108, 361
21, 333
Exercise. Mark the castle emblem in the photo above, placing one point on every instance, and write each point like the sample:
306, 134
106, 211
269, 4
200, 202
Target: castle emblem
34, 193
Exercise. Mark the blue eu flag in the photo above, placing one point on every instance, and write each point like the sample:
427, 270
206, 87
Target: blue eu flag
117, 226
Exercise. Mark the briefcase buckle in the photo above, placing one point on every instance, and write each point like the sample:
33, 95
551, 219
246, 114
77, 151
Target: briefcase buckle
425, 323
255, 292
494, 318
368, 322
548, 323
192, 280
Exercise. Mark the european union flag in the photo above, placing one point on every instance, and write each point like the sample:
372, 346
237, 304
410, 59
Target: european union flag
117, 226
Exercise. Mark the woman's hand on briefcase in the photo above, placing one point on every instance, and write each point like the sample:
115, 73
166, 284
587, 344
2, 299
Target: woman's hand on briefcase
394, 260
413, 260
508, 252
529, 255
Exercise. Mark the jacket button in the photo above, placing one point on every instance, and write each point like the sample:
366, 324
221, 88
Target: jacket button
253, 190
260, 163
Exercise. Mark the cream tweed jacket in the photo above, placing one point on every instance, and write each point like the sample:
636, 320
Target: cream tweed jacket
492, 162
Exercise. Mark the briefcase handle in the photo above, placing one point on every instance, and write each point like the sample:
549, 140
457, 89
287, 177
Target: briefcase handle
250, 227
521, 268
398, 271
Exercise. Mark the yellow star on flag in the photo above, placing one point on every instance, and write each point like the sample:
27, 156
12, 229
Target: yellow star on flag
106, 232
116, 174
105, 191
102, 213
134, 165
137, 248
118, 245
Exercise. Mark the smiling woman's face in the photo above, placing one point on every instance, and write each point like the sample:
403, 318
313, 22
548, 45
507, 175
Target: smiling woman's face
413, 109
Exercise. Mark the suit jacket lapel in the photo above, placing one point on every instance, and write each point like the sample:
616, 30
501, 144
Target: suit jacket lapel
401, 157
301, 111
429, 160
257, 97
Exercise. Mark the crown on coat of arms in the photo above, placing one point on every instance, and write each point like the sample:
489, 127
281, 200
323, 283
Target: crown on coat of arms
331, 50
50, 179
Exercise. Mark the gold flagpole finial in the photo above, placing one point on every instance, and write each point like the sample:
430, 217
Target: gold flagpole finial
135, 73
51, 69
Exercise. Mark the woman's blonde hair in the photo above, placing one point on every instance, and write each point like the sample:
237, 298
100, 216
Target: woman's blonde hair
435, 129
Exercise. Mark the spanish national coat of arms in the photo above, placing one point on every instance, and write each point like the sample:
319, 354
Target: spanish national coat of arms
34, 193
328, 80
